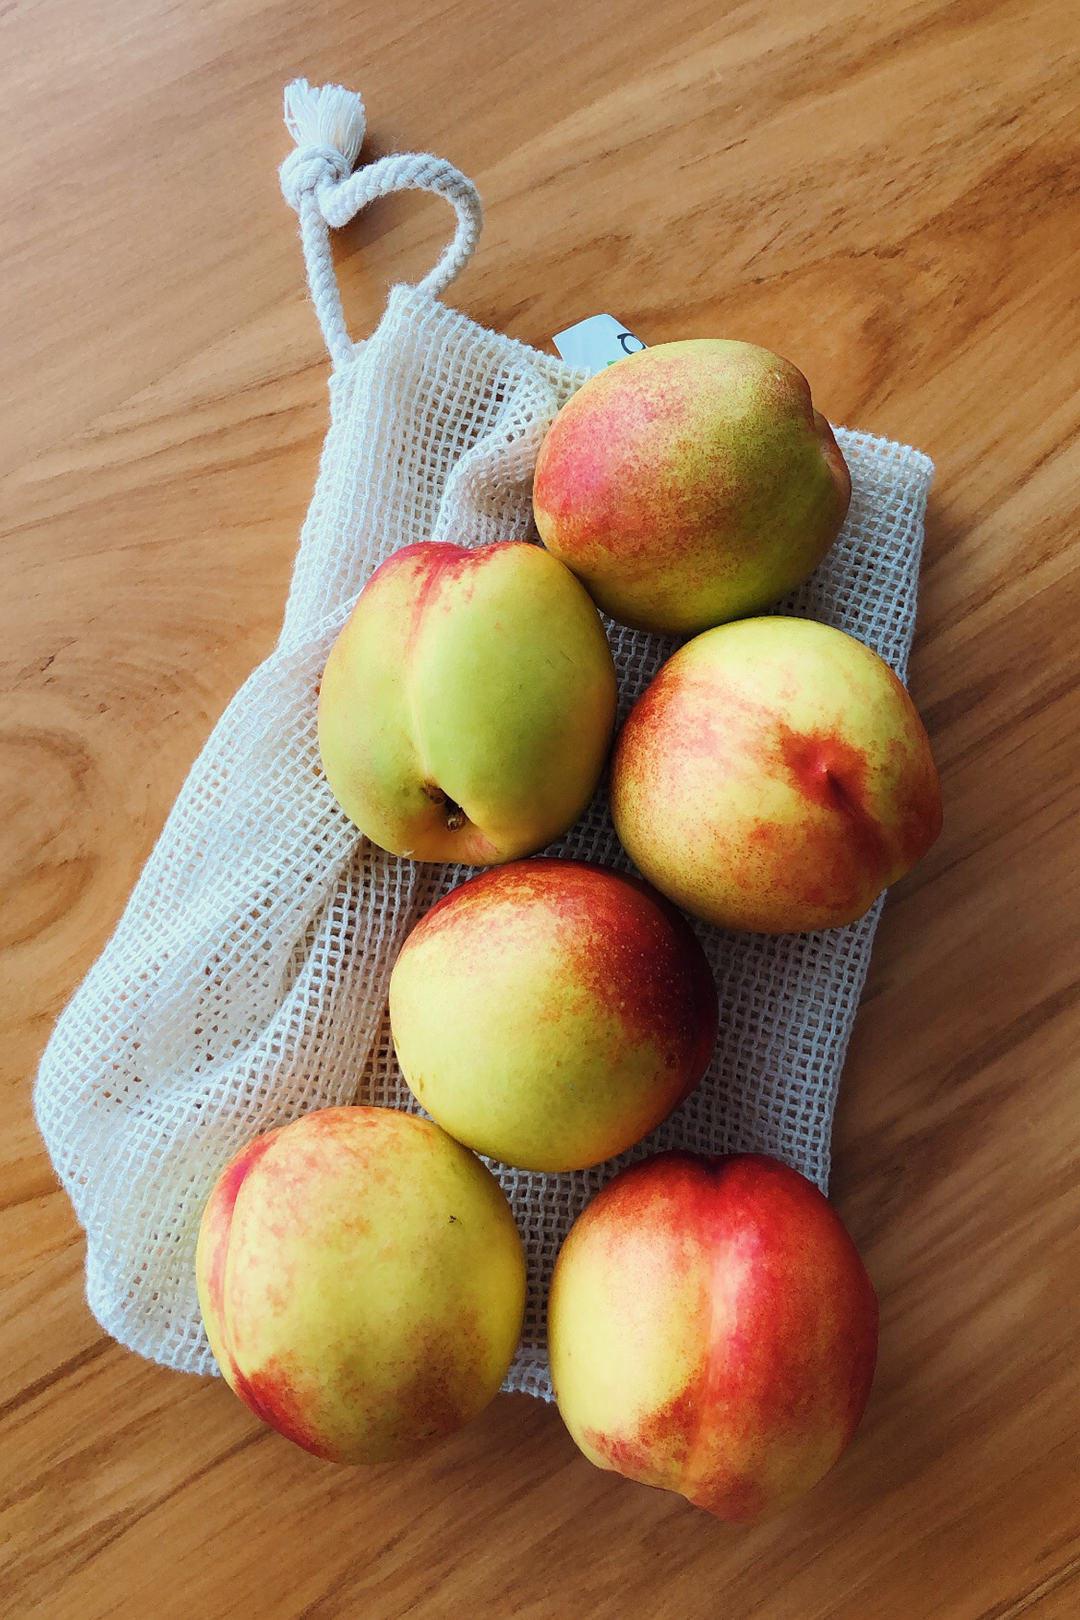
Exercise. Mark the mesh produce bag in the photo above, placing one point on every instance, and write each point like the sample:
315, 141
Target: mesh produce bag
246, 982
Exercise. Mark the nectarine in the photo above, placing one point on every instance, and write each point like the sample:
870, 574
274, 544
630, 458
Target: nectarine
362, 1282
551, 1013
690, 484
775, 777
712, 1331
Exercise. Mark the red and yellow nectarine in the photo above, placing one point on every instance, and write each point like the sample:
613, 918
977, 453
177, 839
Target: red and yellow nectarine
551, 1013
775, 777
712, 1331
362, 1282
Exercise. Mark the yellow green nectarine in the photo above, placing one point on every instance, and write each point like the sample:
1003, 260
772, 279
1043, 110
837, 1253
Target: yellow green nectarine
468, 704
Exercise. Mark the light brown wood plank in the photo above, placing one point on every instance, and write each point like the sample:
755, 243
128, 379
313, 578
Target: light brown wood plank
888, 195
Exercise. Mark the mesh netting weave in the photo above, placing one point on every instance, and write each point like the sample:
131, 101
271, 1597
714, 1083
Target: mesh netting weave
247, 979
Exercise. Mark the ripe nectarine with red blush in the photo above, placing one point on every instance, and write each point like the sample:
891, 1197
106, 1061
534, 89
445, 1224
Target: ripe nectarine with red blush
775, 777
690, 484
712, 1331
362, 1282
551, 1013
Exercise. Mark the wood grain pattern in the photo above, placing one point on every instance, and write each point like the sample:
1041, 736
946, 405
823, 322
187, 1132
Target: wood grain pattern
886, 194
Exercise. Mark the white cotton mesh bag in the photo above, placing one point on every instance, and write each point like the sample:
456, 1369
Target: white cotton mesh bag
246, 982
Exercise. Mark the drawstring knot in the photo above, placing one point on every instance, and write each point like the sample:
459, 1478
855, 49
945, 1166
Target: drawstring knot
327, 123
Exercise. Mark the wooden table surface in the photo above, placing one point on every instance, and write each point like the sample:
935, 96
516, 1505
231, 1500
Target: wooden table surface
888, 194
